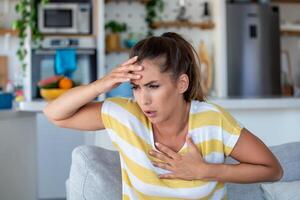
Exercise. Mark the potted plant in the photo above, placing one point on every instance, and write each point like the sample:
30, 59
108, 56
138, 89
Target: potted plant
113, 37
27, 23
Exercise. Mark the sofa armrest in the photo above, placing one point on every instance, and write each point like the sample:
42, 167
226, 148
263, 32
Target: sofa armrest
95, 174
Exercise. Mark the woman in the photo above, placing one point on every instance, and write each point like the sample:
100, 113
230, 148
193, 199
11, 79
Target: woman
172, 142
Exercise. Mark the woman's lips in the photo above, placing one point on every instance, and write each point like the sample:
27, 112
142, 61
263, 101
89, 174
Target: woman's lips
150, 114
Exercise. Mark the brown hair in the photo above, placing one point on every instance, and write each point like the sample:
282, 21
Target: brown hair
177, 56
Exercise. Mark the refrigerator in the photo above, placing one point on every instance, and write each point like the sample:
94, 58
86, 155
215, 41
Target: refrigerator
253, 49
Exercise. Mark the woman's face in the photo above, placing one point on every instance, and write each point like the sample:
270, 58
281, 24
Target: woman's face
156, 94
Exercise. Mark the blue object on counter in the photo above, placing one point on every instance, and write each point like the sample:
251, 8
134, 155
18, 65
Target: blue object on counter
65, 62
6, 100
123, 90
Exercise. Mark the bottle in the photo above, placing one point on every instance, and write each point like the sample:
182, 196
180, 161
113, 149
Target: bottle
206, 16
9, 87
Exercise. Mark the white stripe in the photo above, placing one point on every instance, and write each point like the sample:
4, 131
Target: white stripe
159, 191
232, 141
207, 133
215, 157
127, 119
219, 194
129, 192
139, 156
198, 107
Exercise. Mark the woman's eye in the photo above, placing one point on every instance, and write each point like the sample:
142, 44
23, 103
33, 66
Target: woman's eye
153, 86
133, 87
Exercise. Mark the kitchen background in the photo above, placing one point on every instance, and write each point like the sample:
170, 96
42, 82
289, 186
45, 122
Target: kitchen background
202, 22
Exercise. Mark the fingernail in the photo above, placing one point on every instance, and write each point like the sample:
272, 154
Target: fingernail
156, 143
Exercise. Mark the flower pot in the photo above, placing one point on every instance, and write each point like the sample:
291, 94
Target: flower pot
112, 42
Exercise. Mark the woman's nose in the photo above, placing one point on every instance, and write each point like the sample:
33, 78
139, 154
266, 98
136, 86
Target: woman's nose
145, 98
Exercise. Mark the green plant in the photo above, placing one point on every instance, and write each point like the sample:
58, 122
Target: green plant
152, 8
115, 26
27, 10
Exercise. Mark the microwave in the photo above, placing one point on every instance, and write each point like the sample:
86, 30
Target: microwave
65, 18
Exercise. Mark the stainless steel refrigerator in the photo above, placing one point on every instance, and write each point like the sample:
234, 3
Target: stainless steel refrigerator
253, 41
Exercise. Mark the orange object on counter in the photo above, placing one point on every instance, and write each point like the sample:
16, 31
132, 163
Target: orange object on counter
65, 83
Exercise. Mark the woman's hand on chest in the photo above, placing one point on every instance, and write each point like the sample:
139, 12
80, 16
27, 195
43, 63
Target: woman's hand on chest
189, 166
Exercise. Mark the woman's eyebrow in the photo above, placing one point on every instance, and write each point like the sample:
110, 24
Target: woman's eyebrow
146, 84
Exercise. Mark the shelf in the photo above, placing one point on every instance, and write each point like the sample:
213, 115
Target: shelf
168, 24
70, 35
285, 1
118, 1
290, 32
4, 31
121, 50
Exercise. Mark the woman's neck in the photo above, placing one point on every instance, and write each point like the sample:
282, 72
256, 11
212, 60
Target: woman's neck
177, 123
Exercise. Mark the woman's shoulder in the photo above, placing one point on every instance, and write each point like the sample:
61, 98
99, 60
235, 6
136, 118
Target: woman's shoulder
204, 106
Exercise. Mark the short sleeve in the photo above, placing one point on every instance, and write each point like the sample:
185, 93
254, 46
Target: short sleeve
231, 130
105, 115
108, 109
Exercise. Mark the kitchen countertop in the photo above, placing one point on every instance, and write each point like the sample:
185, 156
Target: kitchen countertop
231, 104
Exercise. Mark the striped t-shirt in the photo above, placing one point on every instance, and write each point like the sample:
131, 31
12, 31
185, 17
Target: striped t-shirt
211, 128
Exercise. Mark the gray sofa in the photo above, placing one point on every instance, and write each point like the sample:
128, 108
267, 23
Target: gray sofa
95, 174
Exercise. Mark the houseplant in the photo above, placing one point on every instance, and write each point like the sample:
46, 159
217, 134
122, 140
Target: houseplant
153, 7
27, 24
112, 39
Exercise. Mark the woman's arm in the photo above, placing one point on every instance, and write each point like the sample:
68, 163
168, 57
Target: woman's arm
257, 163
74, 108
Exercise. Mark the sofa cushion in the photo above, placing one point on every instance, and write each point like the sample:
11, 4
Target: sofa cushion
95, 174
288, 155
281, 190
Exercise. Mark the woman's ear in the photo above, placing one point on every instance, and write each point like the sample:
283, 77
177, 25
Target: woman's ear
183, 83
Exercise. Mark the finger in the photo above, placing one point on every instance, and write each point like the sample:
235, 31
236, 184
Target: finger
162, 165
128, 75
130, 61
160, 156
130, 68
167, 176
167, 151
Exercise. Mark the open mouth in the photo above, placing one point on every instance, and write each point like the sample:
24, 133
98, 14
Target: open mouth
150, 113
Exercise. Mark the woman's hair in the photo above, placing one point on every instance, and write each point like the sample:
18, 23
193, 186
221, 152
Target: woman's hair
174, 55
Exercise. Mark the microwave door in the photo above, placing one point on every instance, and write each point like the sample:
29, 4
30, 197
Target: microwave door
58, 18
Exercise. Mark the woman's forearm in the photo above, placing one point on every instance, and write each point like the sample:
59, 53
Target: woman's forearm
242, 173
69, 103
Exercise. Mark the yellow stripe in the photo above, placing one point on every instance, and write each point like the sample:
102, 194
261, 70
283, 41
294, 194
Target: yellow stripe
125, 197
127, 134
140, 195
208, 147
212, 118
147, 197
227, 116
131, 107
150, 177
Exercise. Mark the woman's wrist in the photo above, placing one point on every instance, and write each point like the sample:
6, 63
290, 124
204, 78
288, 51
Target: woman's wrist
97, 87
210, 171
